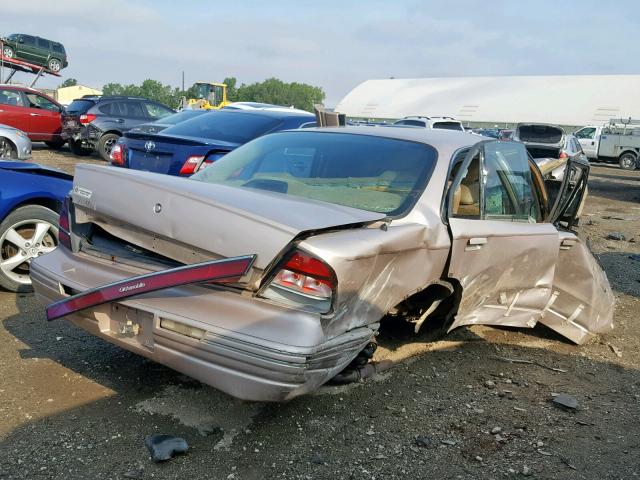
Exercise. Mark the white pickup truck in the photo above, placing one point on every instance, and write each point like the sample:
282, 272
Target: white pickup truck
616, 142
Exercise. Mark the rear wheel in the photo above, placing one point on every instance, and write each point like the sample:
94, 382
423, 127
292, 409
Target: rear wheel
7, 149
77, 148
26, 233
55, 145
105, 145
627, 161
8, 52
55, 65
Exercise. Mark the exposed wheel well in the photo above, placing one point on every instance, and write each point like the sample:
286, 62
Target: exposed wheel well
632, 152
437, 303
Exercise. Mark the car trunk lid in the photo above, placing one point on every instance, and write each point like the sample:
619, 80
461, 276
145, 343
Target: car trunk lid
166, 154
191, 221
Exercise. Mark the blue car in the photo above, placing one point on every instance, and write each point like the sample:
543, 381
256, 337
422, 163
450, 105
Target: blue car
30, 200
189, 146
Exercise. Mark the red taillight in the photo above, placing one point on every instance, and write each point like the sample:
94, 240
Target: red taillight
305, 274
117, 154
563, 155
191, 165
87, 118
64, 224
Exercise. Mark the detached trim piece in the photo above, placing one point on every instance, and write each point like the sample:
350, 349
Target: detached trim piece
229, 270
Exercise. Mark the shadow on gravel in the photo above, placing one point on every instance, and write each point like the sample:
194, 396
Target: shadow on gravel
627, 193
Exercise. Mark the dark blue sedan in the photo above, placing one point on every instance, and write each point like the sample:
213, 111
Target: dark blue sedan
189, 146
30, 200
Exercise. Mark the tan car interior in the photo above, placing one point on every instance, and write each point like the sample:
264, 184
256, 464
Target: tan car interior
466, 199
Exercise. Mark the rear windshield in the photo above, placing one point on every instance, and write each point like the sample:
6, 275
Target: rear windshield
370, 173
230, 126
448, 126
540, 133
80, 106
176, 118
411, 123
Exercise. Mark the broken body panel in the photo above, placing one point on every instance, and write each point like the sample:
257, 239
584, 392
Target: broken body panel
507, 273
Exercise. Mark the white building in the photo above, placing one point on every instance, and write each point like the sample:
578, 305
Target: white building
570, 100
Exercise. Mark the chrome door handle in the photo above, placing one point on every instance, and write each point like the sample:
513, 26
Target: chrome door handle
475, 243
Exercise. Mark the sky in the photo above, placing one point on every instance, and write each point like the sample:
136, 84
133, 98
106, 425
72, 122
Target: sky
332, 44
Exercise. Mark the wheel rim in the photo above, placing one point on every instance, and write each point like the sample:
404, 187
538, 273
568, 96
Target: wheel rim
7, 52
108, 145
5, 148
627, 161
22, 242
54, 65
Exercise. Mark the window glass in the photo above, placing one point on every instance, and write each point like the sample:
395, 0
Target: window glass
466, 198
80, 106
370, 173
132, 109
42, 43
228, 126
106, 108
448, 126
155, 110
587, 132
507, 183
29, 40
11, 97
58, 48
411, 123
37, 101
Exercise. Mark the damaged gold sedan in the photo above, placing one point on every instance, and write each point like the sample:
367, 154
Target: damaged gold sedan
328, 231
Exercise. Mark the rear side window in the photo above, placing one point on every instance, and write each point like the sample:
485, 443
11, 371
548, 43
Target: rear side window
79, 106
44, 44
58, 48
38, 101
11, 97
156, 111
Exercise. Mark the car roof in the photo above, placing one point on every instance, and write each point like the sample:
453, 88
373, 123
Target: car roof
449, 139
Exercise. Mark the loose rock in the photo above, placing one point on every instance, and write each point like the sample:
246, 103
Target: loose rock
164, 447
565, 401
617, 236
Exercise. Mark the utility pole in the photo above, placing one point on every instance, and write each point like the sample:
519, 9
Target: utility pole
183, 80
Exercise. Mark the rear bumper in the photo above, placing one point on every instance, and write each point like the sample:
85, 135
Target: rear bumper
252, 349
87, 135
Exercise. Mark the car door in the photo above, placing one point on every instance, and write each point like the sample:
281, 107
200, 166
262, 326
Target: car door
581, 302
27, 48
135, 114
41, 53
503, 254
587, 138
12, 109
45, 123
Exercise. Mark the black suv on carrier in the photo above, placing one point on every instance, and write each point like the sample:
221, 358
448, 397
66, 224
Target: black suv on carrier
94, 123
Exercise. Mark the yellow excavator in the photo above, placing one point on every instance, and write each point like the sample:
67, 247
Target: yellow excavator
209, 96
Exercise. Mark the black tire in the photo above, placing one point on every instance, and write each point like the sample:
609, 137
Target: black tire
627, 161
54, 65
55, 145
106, 143
8, 50
77, 149
7, 149
21, 221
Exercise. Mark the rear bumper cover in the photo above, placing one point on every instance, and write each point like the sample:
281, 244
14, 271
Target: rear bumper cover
247, 350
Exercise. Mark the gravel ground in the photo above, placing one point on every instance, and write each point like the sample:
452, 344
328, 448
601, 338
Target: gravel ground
75, 407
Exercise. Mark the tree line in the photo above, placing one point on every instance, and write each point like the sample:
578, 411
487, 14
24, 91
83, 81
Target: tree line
271, 90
